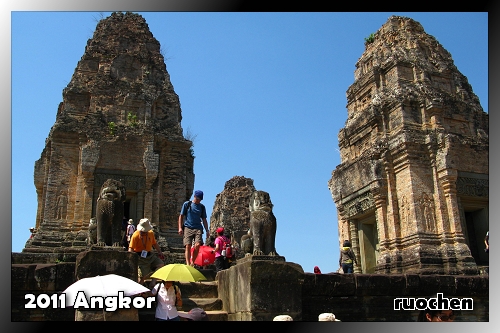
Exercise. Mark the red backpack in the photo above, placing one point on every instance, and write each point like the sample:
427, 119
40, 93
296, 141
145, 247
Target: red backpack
227, 251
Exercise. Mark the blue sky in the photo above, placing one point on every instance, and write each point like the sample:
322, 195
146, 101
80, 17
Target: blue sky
264, 93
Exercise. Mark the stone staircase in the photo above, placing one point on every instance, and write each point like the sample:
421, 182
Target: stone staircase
202, 294
62, 243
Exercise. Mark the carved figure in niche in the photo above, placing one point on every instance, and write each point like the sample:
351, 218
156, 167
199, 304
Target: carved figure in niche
464, 128
262, 224
427, 211
92, 234
109, 213
61, 206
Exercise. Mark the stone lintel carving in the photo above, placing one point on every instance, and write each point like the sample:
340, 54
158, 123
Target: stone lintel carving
359, 205
134, 183
472, 187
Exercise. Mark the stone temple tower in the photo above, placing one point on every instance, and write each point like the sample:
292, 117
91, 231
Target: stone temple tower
412, 188
120, 118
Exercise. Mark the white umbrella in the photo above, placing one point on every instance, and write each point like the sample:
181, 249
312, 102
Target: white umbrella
106, 285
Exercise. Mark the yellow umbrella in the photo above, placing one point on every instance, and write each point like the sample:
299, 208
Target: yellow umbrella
178, 272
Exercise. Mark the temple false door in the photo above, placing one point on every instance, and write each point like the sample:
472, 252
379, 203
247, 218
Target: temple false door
368, 243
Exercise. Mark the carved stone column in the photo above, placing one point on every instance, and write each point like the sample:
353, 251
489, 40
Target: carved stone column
151, 162
51, 190
380, 200
89, 156
353, 226
438, 162
448, 178
41, 188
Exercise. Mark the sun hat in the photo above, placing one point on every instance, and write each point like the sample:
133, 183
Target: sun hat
130, 221
282, 318
327, 317
220, 230
144, 225
195, 314
198, 194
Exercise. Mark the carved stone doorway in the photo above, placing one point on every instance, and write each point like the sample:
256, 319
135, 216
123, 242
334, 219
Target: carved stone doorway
476, 221
368, 243
130, 207
134, 184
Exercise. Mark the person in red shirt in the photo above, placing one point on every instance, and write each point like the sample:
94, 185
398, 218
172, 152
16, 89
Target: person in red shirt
221, 261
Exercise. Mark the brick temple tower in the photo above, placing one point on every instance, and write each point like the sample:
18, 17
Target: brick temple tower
412, 188
120, 118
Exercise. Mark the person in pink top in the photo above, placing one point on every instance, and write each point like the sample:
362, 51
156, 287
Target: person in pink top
220, 260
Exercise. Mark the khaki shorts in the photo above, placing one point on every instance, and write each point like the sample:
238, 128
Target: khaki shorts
190, 234
147, 264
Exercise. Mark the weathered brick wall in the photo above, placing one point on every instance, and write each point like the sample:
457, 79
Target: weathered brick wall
351, 297
370, 297
40, 279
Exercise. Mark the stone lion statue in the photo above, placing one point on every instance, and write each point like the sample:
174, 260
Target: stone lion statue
262, 226
109, 213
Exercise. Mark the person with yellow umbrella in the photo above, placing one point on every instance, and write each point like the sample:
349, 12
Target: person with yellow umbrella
178, 272
168, 294
168, 298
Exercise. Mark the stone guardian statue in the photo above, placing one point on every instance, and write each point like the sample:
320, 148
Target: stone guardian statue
262, 224
109, 213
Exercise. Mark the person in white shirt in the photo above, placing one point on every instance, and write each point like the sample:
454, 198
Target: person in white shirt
168, 297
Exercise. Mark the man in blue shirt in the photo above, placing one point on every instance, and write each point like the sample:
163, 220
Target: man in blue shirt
193, 213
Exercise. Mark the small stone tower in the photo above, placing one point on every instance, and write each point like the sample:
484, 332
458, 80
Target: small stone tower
120, 118
231, 209
412, 188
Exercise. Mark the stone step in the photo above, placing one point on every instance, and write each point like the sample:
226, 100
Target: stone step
48, 249
202, 289
81, 244
42, 257
207, 304
45, 242
213, 315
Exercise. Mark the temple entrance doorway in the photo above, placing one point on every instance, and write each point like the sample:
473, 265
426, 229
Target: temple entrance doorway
130, 207
368, 243
476, 221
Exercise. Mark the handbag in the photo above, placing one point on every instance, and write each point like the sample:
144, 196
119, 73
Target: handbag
340, 270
